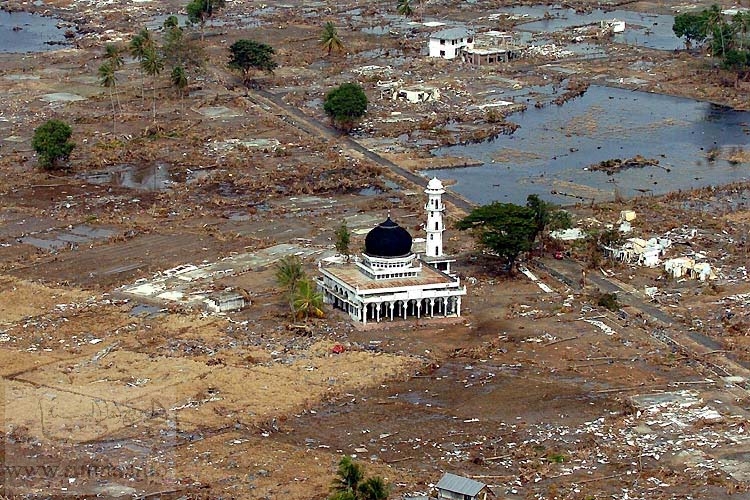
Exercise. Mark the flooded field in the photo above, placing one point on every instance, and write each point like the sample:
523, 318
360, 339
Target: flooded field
648, 30
22, 32
550, 154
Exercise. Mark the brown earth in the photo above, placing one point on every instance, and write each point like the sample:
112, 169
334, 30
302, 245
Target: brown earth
104, 399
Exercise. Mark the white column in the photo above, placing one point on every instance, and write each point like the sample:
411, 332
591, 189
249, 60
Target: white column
432, 307
390, 305
377, 311
458, 306
364, 313
434, 227
419, 307
445, 306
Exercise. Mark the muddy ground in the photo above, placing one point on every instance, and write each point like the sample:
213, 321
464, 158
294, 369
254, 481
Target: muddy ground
538, 394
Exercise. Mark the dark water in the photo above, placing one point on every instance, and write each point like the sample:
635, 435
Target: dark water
32, 33
554, 145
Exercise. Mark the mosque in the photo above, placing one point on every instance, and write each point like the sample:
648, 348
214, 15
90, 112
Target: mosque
389, 281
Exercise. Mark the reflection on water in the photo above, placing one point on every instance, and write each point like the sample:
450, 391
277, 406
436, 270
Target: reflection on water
549, 153
156, 177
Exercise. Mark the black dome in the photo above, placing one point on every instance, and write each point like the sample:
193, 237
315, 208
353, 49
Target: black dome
388, 239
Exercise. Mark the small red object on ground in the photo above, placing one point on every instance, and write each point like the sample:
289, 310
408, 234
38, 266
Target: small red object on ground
337, 349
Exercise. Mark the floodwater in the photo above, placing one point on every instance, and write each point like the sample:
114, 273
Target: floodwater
156, 177
22, 32
549, 154
647, 30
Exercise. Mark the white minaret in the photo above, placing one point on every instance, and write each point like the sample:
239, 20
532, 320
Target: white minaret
435, 209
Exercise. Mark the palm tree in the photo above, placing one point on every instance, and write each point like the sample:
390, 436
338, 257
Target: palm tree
152, 64
330, 39
307, 300
108, 79
289, 273
180, 82
404, 8
373, 488
113, 55
348, 476
741, 25
139, 46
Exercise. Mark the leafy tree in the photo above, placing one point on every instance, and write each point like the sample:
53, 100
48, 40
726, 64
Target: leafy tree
180, 82
289, 273
404, 8
343, 237
140, 45
373, 488
547, 217
690, 26
249, 54
52, 143
719, 30
179, 50
330, 39
171, 22
152, 64
199, 11
307, 300
107, 79
505, 229
741, 26
348, 476
345, 104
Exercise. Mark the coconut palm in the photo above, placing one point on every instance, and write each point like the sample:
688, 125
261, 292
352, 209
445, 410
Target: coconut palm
404, 8
373, 488
113, 55
307, 300
139, 46
289, 273
180, 82
108, 79
152, 64
330, 39
348, 476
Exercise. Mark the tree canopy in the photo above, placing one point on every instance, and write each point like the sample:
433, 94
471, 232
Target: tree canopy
199, 11
505, 229
350, 483
249, 54
343, 237
726, 40
52, 143
345, 105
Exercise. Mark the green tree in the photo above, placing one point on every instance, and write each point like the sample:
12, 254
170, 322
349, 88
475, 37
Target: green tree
289, 273
108, 79
152, 65
330, 39
547, 217
179, 80
691, 27
720, 31
345, 105
113, 56
180, 50
343, 238
249, 54
307, 300
52, 143
348, 476
373, 488
140, 45
171, 22
404, 8
741, 26
505, 229
199, 11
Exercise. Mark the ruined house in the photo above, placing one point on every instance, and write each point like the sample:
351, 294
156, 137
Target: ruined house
491, 47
